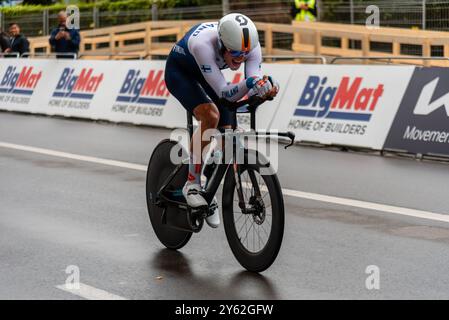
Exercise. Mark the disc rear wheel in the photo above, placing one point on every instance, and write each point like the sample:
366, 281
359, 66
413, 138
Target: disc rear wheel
159, 168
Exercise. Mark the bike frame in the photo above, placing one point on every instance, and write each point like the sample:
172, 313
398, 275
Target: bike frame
217, 176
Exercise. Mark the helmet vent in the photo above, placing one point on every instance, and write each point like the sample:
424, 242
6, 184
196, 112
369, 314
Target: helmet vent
246, 38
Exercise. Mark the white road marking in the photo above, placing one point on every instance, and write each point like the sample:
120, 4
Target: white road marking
288, 192
90, 293
368, 205
72, 156
131, 235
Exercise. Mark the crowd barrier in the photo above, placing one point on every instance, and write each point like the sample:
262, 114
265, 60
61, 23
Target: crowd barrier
399, 108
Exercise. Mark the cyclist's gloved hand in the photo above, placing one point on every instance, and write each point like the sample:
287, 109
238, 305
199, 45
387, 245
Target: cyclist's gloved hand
275, 86
261, 87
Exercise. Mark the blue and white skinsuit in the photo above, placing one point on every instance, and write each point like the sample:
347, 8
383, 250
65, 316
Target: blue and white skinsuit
193, 71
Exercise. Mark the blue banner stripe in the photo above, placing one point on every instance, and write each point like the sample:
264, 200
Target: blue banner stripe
123, 99
305, 113
73, 95
349, 116
81, 96
335, 115
24, 92
156, 101
16, 91
160, 102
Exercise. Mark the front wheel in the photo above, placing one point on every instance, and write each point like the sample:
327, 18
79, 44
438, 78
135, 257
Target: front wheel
255, 236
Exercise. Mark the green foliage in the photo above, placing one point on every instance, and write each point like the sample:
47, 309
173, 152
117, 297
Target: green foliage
119, 12
105, 5
35, 8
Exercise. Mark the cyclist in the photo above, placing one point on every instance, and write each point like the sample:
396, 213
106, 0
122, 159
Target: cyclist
193, 75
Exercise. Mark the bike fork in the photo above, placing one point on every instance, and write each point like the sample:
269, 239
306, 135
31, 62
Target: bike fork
238, 177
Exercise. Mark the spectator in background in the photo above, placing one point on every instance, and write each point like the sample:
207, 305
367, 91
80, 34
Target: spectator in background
18, 42
304, 10
4, 42
63, 39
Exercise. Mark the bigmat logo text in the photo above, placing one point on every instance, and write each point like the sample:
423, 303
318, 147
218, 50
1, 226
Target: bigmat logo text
78, 86
349, 102
142, 94
18, 84
76, 89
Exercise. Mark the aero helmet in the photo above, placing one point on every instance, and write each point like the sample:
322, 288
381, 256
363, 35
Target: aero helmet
238, 33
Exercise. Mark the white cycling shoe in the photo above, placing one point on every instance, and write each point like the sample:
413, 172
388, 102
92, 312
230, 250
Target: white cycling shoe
192, 194
214, 220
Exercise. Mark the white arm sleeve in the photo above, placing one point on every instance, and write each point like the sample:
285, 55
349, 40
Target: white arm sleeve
253, 63
205, 58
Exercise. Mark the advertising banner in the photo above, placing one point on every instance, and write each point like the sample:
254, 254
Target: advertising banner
422, 122
21, 81
74, 89
338, 104
342, 104
117, 91
137, 94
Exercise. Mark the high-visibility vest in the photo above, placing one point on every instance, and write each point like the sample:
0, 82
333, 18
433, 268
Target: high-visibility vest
305, 15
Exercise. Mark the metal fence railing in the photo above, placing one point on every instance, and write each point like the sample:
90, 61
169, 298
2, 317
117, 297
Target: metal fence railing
295, 57
40, 24
420, 14
410, 14
384, 59
64, 55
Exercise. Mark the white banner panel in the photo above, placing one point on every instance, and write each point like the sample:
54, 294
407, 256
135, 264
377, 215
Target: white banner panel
327, 104
118, 91
75, 89
136, 93
342, 104
21, 82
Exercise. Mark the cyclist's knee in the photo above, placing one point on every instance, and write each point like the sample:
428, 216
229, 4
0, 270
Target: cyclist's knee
208, 114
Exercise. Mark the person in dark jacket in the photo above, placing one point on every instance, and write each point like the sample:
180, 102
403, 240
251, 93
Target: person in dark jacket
4, 42
18, 42
64, 39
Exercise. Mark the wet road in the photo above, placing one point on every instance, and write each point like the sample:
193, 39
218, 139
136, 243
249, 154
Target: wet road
57, 212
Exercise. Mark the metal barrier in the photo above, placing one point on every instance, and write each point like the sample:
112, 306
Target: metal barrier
110, 55
138, 56
53, 54
10, 54
390, 58
300, 57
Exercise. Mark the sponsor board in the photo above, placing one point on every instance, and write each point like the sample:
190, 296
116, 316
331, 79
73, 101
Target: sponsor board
137, 94
73, 88
343, 105
76, 87
422, 122
142, 94
18, 83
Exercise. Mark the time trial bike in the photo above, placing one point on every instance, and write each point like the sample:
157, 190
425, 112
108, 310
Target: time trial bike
252, 199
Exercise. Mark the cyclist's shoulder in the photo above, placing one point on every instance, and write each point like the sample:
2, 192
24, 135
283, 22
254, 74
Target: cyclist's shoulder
205, 27
203, 38
203, 33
